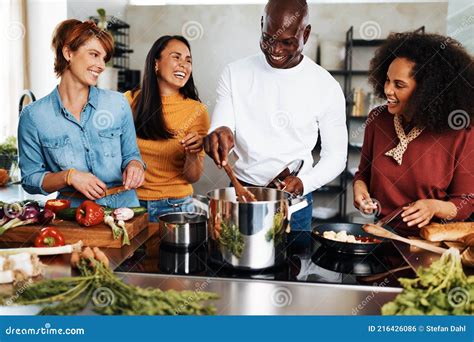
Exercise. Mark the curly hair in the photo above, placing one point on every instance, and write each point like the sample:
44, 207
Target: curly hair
444, 75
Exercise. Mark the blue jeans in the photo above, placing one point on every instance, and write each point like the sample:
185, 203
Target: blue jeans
168, 205
301, 220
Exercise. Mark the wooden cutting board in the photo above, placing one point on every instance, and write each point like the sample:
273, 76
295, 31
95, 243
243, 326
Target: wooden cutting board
96, 236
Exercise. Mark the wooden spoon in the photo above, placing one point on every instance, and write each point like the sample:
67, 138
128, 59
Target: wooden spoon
243, 195
468, 240
384, 233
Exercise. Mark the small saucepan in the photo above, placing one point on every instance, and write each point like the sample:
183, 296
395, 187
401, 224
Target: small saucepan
183, 229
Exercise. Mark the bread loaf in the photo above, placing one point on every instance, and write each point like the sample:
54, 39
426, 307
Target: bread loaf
447, 232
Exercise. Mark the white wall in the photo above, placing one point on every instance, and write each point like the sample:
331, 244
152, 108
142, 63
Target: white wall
83, 9
461, 22
43, 16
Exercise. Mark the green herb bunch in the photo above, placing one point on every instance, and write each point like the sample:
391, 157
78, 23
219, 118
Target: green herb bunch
107, 294
441, 289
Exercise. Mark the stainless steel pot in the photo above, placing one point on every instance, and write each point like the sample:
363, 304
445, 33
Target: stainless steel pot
250, 235
182, 260
183, 229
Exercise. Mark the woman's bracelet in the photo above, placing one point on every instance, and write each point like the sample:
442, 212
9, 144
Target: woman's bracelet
68, 177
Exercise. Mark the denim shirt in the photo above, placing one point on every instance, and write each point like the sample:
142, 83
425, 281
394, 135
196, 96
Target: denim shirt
50, 139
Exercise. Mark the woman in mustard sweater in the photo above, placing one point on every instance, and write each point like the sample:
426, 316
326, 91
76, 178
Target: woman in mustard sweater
170, 122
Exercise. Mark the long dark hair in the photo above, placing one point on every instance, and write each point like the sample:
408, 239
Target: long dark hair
147, 107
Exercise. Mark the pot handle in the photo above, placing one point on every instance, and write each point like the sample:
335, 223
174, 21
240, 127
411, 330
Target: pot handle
298, 168
201, 202
301, 203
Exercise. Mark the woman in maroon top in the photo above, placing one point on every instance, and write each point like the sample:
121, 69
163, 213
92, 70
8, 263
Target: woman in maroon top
419, 147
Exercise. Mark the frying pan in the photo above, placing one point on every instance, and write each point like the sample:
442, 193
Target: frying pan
359, 265
345, 247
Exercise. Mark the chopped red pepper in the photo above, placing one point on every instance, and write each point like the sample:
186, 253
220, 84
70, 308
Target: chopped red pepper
89, 214
49, 237
56, 205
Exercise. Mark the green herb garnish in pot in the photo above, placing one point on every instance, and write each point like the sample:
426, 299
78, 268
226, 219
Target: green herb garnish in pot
232, 239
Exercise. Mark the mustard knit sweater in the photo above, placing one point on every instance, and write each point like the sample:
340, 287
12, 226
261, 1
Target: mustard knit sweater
165, 158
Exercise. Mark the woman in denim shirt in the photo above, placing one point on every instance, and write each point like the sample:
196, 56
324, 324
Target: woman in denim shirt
80, 140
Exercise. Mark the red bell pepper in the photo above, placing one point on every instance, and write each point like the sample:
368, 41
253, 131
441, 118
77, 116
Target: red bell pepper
49, 237
56, 205
89, 214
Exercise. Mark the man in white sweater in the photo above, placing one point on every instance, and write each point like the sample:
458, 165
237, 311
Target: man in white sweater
270, 107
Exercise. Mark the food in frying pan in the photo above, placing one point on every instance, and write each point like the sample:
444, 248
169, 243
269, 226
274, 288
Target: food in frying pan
342, 236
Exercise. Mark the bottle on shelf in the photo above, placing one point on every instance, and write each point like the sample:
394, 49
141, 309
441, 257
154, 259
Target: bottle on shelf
358, 107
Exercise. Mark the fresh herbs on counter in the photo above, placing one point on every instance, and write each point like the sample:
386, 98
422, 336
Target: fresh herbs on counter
441, 289
107, 294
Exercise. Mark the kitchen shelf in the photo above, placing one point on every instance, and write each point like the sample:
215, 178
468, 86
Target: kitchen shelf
120, 30
360, 117
346, 72
353, 147
349, 175
367, 43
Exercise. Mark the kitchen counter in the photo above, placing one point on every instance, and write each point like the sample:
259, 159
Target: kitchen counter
252, 297
237, 296
15, 192
242, 296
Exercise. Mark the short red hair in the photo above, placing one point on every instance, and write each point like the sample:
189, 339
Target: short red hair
74, 33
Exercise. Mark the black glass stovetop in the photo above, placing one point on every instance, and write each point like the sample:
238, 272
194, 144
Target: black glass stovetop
307, 261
